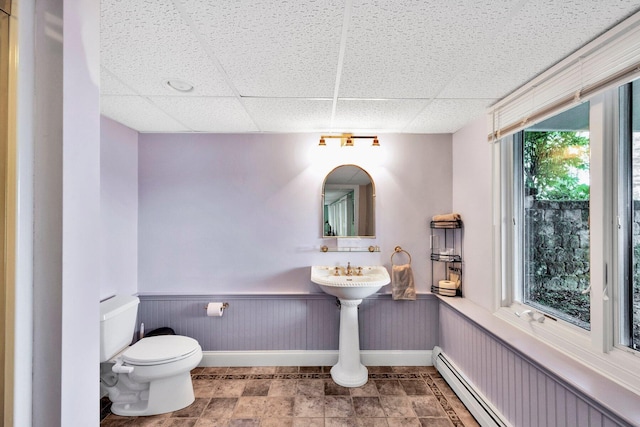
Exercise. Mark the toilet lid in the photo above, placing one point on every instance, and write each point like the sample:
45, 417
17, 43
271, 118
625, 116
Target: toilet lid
160, 349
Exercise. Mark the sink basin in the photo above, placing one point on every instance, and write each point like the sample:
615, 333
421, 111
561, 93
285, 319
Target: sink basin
349, 371
350, 287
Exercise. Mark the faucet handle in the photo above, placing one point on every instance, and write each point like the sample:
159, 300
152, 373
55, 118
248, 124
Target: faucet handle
336, 272
359, 271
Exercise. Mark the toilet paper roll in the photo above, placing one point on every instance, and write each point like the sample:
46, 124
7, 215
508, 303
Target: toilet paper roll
215, 309
447, 284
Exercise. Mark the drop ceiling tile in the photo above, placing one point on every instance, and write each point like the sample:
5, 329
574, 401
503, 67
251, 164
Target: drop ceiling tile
540, 35
138, 114
376, 115
145, 43
207, 114
412, 51
111, 85
290, 114
448, 115
270, 48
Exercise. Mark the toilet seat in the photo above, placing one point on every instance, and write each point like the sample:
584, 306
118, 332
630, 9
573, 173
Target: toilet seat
159, 350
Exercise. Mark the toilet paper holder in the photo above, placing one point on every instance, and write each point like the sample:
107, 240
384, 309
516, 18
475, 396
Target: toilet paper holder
225, 305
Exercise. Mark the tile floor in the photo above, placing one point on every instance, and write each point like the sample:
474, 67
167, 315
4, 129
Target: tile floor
307, 397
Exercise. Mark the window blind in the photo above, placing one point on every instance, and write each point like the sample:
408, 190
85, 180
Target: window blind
610, 60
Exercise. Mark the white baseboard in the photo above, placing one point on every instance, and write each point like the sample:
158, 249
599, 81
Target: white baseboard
483, 411
314, 358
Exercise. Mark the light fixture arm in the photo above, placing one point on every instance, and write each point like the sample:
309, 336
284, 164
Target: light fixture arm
346, 139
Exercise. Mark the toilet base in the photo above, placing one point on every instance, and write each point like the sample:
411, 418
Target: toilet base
163, 395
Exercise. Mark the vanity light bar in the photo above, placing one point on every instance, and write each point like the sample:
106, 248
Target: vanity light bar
346, 139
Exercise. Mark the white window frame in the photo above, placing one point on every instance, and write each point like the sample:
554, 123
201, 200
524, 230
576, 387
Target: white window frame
596, 347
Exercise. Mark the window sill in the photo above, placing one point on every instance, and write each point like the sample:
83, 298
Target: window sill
618, 365
590, 379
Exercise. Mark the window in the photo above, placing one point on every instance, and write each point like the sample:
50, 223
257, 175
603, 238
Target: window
553, 190
577, 289
570, 235
629, 202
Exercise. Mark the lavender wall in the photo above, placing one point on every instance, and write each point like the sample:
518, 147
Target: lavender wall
242, 213
119, 208
472, 199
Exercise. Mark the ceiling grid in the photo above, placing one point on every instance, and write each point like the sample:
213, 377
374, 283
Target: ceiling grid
378, 66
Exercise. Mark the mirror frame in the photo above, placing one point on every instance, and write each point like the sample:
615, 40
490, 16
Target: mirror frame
373, 199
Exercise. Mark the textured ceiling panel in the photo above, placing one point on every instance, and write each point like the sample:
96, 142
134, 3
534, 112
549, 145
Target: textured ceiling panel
139, 114
207, 114
272, 65
539, 36
111, 85
412, 51
149, 42
448, 115
289, 115
376, 115
272, 48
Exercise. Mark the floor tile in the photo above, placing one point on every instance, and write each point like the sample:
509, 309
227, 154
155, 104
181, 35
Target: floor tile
217, 422
396, 406
216, 370
369, 389
308, 387
308, 406
286, 369
404, 422
379, 369
278, 407
249, 407
203, 388
283, 388
340, 422
192, 411
308, 397
227, 388
372, 422
310, 369
244, 422
426, 406
389, 387
308, 422
220, 407
180, 422
444, 387
276, 422
368, 407
435, 422
338, 407
333, 389
415, 387
256, 388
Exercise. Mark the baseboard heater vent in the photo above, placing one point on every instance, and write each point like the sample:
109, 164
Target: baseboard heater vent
476, 403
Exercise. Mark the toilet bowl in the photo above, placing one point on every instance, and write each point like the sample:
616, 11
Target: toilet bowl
152, 376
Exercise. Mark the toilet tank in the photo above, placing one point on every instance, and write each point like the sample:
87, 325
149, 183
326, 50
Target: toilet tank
117, 324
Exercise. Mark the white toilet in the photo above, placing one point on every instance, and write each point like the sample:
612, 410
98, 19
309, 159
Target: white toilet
149, 377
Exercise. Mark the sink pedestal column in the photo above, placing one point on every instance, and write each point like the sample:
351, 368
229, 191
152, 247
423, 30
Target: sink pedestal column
349, 372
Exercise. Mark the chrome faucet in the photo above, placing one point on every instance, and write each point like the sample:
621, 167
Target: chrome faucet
349, 269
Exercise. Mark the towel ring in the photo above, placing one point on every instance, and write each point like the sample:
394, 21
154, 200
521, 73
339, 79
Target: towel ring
398, 249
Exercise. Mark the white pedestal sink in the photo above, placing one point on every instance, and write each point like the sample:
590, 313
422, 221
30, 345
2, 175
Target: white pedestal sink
350, 289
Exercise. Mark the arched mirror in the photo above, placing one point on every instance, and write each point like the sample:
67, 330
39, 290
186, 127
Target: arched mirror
348, 203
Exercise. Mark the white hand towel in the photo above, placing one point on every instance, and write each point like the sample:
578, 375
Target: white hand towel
402, 286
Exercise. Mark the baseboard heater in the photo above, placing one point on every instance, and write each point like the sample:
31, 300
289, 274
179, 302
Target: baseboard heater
485, 413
